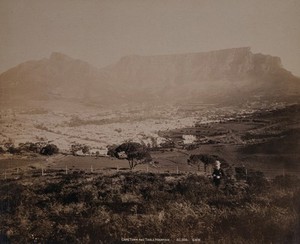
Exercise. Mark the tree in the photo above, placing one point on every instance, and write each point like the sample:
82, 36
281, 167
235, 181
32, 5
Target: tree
30, 147
111, 150
49, 149
134, 152
76, 147
13, 150
85, 149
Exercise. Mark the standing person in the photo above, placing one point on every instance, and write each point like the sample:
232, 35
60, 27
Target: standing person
217, 174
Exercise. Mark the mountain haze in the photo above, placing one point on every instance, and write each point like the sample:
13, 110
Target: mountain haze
58, 77
224, 75
207, 75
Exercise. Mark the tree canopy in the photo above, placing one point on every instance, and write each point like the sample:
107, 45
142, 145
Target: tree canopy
134, 152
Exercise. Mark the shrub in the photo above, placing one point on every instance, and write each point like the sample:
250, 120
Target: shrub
50, 149
13, 150
257, 182
75, 147
30, 147
286, 181
104, 209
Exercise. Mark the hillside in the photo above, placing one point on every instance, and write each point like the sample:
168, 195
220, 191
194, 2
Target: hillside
263, 140
205, 76
56, 77
230, 75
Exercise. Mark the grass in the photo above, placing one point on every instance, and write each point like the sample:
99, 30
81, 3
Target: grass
98, 208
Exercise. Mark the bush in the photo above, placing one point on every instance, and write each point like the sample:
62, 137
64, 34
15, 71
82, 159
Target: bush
50, 149
13, 150
257, 182
286, 181
104, 209
77, 147
30, 147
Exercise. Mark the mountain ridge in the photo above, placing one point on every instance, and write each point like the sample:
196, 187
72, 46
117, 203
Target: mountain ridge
204, 76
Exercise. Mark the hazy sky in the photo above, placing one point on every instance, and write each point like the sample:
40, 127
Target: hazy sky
101, 32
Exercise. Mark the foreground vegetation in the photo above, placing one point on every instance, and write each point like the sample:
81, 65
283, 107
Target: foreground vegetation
98, 208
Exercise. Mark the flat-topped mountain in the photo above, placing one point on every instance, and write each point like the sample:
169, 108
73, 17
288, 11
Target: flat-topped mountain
223, 75
205, 75
228, 64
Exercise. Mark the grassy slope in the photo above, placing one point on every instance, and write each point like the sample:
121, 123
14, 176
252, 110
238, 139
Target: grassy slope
97, 208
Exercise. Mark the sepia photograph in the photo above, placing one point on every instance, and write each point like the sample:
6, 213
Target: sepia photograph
149, 121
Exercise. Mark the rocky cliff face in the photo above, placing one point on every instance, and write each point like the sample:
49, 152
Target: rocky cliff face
213, 76
234, 64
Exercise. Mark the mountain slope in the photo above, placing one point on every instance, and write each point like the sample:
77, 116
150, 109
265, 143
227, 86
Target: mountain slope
59, 77
212, 75
218, 76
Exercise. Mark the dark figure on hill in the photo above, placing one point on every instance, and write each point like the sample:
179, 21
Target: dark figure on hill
217, 174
